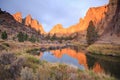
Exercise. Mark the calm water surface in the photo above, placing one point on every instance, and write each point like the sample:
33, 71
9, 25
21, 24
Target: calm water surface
74, 57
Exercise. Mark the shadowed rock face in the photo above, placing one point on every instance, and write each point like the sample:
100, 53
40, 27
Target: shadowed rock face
111, 32
114, 25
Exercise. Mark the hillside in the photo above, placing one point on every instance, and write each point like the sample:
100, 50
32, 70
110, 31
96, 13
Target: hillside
13, 27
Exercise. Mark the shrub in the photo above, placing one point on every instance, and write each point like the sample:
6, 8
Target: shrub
42, 73
27, 74
10, 66
26, 37
20, 37
4, 35
91, 34
32, 39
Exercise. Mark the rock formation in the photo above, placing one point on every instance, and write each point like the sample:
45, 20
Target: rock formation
28, 21
96, 14
18, 17
105, 18
34, 24
12, 25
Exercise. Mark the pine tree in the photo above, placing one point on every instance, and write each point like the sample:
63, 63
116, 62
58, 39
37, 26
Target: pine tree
20, 37
91, 34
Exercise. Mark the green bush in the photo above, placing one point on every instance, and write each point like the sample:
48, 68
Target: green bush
22, 37
25, 37
4, 35
32, 39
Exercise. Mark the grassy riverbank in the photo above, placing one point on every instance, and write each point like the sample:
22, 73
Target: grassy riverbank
104, 49
22, 66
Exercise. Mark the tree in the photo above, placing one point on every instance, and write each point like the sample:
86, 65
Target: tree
4, 35
20, 37
91, 33
32, 39
25, 37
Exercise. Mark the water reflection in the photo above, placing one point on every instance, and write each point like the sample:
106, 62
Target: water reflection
83, 61
106, 64
97, 68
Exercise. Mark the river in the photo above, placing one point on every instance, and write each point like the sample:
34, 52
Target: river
76, 58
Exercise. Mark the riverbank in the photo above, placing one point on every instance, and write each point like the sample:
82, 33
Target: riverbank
104, 49
37, 69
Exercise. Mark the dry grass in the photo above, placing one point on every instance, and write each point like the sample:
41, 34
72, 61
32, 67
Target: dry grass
42, 70
105, 49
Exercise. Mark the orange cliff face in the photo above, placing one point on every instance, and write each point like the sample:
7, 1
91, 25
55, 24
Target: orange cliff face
18, 17
96, 14
58, 29
34, 24
29, 22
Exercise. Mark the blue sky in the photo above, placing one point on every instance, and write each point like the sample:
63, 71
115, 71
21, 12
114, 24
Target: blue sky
52, 12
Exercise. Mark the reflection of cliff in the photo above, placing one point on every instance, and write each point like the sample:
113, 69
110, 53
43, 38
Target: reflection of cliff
77, 55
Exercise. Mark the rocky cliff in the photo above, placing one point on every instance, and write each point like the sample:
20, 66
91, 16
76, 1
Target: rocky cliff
9, 24
105, 18
111, 31
18, 17
96, 14
34, 24
28, 21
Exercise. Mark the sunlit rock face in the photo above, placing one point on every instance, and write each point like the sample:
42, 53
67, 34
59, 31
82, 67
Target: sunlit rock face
38, 27
28, 20
105, 18
18, 17
34, 24
58, 30
96, 14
